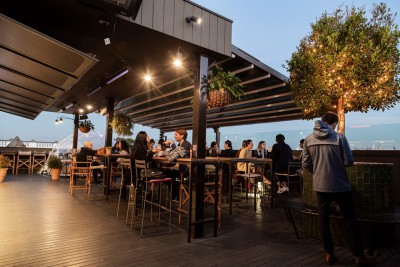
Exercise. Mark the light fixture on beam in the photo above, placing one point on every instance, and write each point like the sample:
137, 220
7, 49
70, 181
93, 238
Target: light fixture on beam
178, 59
117, 76
193, 19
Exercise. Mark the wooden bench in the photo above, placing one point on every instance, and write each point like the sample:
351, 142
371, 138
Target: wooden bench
375, 220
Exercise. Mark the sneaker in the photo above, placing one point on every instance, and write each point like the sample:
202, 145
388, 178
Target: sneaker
281, 190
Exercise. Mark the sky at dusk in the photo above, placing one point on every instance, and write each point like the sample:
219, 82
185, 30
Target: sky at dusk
267, 30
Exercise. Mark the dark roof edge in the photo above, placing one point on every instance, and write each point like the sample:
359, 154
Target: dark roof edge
239, 52
208, 10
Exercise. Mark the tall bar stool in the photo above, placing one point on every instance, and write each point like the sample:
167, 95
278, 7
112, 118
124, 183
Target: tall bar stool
183, 198
150, 184
24, 161
38, 160
80, 171
126, 168
12, 157
211, 193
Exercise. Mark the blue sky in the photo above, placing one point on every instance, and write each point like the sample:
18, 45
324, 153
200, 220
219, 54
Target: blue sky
268, 30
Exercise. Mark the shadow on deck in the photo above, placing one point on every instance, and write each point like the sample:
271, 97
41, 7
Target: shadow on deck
42, 225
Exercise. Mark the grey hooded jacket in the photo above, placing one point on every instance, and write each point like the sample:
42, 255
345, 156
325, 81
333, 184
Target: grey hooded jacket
325, 154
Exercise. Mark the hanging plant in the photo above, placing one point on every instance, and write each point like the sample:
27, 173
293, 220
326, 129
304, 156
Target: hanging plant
223, 88
122, 124
85, 126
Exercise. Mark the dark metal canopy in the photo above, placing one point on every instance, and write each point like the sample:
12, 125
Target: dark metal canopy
55, 57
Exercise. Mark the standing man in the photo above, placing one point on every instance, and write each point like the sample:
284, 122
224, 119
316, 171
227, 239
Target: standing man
326, 154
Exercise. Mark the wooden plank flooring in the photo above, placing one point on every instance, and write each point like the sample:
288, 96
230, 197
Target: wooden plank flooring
42, 225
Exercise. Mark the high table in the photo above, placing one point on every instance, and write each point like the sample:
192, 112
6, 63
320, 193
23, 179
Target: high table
107, 162
230, 162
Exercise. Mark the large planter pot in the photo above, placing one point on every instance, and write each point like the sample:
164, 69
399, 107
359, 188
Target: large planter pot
55, 174
219, 98
3, 172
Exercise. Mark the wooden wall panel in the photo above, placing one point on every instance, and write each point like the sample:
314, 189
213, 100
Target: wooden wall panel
169, 17
188, 27
213, 32
221, 35
228, 38
205, 29
178, 19
158, 15
169, 6
147, 13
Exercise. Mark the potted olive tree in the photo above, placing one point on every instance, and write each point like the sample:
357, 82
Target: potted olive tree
4, 164
224, 88
54, 164
85, 126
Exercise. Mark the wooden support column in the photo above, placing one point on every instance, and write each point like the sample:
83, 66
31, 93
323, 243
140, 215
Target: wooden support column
75, 136
217, 137
110, 115
199, 137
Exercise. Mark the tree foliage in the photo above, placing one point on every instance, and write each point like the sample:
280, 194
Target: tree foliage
348, 63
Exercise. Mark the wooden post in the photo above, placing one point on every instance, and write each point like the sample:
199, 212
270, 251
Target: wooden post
110, 115
75, 137
199, 137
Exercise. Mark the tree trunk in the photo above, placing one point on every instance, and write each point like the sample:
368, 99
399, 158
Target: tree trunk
341, 115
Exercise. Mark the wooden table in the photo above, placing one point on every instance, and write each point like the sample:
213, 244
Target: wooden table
107, 162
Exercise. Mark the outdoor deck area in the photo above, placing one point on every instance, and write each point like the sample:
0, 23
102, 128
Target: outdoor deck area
42, 225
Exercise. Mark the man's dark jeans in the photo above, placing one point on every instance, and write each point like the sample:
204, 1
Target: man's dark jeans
345, 203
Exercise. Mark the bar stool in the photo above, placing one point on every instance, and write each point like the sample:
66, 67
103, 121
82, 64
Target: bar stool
12, 157
211, 193
79, 171
150, 183
24, 161
126, 168
38, 160
183, 198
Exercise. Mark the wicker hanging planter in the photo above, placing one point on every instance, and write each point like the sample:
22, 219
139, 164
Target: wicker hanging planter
84, 129
85, 126
224, 88
219, 98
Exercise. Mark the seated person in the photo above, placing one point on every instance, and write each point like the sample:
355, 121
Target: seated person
281, 154
245, 153
213, 151
85, 151
180, 136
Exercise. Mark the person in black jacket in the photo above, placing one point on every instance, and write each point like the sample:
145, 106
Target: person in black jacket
281, 154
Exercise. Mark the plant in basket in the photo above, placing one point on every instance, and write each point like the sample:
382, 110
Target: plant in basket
122, 124
85, 126
224, 88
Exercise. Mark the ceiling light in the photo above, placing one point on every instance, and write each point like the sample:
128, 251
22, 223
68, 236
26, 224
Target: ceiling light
81, 110
147, 78
193, 19
89, 106
60, 120
178, 59
117, 75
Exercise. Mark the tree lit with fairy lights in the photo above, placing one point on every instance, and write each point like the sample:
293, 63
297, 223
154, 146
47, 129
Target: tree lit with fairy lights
348, 63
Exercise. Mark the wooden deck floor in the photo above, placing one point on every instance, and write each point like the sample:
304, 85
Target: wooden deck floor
42, 225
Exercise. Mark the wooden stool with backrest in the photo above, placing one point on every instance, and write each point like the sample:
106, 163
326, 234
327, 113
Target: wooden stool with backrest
24, 161
38, 160
80, 177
